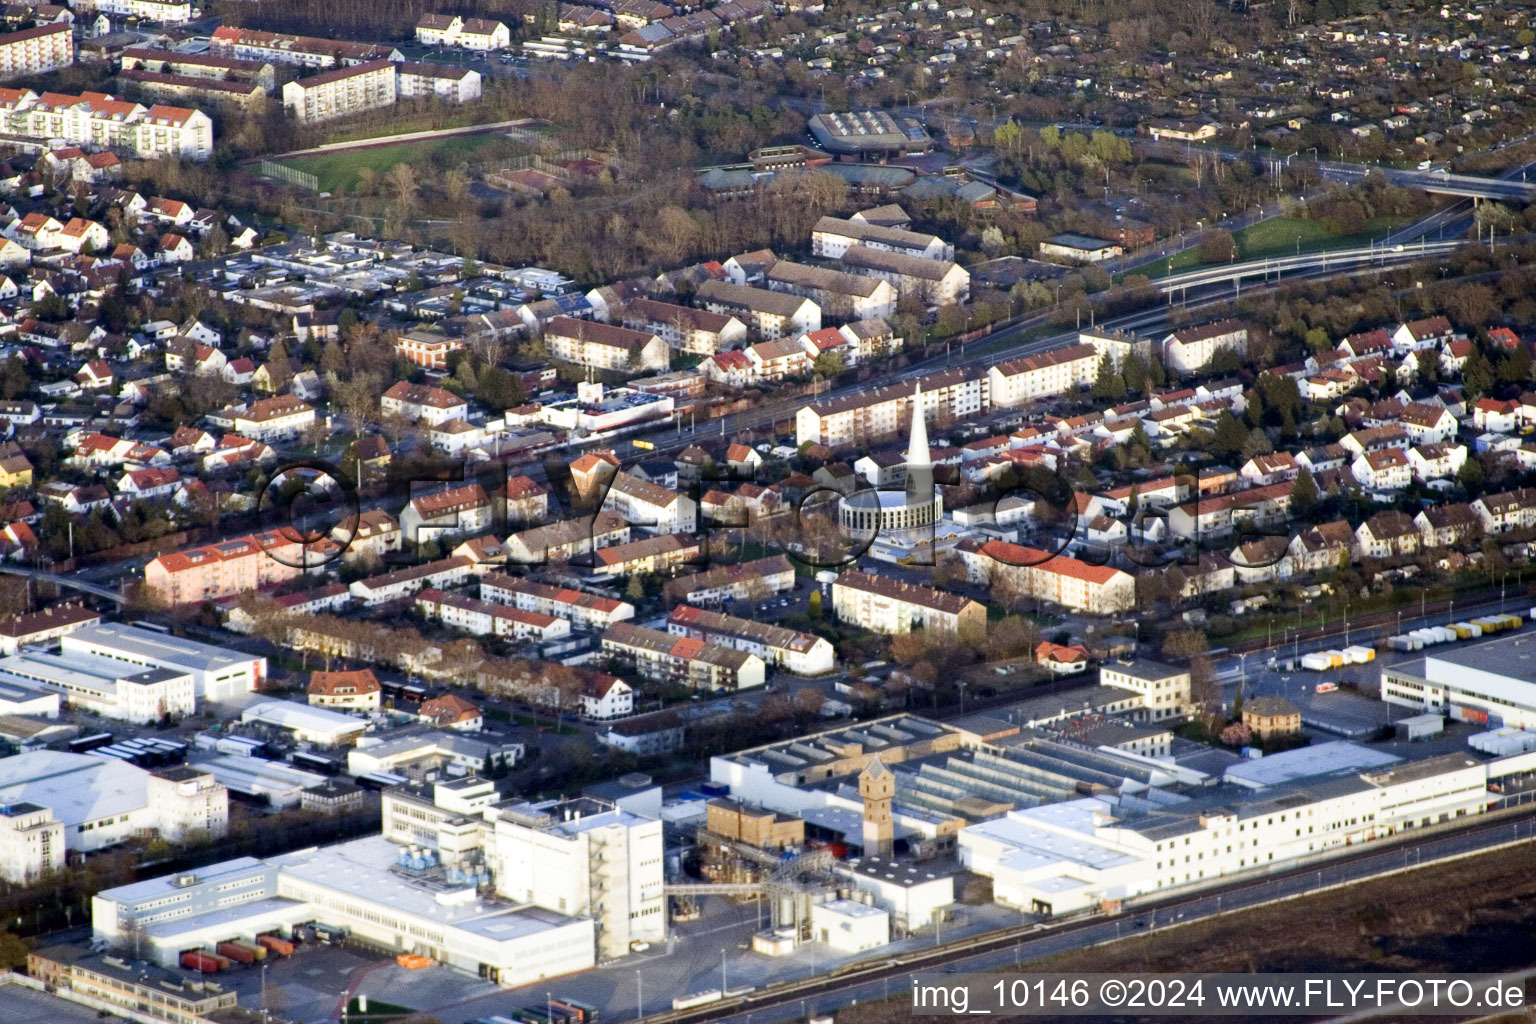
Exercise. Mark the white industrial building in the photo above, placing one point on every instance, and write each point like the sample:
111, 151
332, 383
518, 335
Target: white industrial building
218, 673
110, 688
99, 802
1491, 683
849, 926
1063, 857
362, 886
588, 858
311, 724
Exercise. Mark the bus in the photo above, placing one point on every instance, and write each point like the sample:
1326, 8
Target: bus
380, 780
646, 445
314, 763
88, 743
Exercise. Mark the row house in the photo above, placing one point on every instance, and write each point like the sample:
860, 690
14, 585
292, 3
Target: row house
404, 583
581, 609
481, 34
1060, 371
1259, 509
682, 660
567, 540
307, 51
280, 418
234, 452
747, 581
654, 555
486, 618
804, 654
1375, 439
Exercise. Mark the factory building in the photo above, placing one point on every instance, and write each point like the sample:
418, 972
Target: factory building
217, 672
1489, 683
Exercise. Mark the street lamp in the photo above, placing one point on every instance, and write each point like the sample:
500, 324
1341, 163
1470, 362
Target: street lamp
640, 995
723, 986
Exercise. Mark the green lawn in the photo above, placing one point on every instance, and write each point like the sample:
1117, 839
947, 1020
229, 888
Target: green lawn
1281, 236
336, 171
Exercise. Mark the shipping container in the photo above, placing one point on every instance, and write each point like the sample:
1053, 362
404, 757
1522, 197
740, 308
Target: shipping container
199, 960
329, 933
1463, 630
280, 946
573, 1013
587, 1010
237, 952
413, 961
1316, 662
1400, 643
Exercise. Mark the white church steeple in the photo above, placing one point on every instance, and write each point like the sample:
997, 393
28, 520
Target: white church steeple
918, 455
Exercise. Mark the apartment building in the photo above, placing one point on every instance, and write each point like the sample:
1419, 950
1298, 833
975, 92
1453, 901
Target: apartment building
470, 33
1047, 576
885, 412
832, 236
306, 51
342, 92
279, 418
199, 65
841, 296
931, 282
804, 654
100, 120
770, 315
886, 605
642, 503
578, 607
34, 51
423, 403
242, 565
1057, 372
1191, 349
684, 329
682, 660
457, 510
605, 346
417, 81
246, 95
164, 12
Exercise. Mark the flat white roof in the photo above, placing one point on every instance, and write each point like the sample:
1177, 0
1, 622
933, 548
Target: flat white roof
159, 647
289, 714
361, 870
1333, 758
851, 908
76, 787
